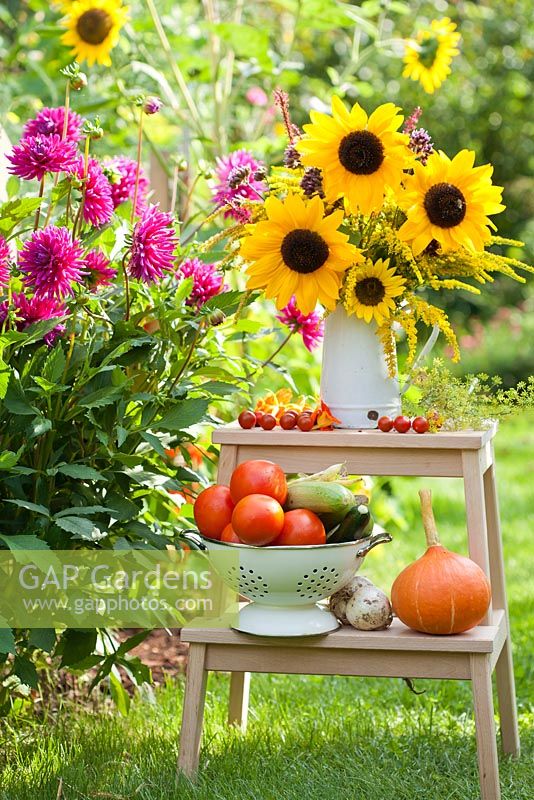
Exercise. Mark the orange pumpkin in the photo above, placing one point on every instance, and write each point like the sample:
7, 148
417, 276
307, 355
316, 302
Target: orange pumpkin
442, 592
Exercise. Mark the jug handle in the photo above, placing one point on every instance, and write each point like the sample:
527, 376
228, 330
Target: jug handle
427, 349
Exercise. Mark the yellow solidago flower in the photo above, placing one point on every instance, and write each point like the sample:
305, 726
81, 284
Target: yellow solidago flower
429, 56
93, 28
298, 251
369, 290
449, 201
359, 155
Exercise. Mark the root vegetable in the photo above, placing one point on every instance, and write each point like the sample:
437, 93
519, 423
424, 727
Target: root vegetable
338, 601
368, 609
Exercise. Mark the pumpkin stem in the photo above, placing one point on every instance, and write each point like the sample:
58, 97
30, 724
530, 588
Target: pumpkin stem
429, 523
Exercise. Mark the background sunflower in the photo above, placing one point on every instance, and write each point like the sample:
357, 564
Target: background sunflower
298, 251
369, 290
93, 28
359, 155
429, 56
449, 201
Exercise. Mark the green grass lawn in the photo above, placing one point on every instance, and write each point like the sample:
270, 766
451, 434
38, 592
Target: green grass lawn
319, 738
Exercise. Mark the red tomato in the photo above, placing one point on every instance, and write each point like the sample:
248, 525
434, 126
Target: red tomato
258, 415
288, 420
247, 419
305, 422
402, 424
258, 477
268, 422
385, 424
301, 527
213, 510
420, 425
229, 535
258, 519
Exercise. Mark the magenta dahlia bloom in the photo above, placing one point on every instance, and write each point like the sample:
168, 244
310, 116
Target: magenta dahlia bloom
5, 259
34, 156
207, 281
98, 205
35, 309
51, 121
51, 262
238, 183
123, 182
310, 326
153, 244
100, 273
152, 105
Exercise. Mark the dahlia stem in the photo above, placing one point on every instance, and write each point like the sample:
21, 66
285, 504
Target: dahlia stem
67, 110
79, 215
176, 71
138, 166
38, 212
284, 342
126, 288
188, 356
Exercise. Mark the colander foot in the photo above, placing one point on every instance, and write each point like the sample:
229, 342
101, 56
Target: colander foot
282, 621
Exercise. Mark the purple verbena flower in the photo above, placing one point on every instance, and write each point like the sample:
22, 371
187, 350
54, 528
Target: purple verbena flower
51, 262
229, 191
153, 244
100, 273
310, 326
51, 121
5, 260
34, 156
312, 182
152, 105
207, 281
35, 309
412, 120
121, 174
421, 144
98, 204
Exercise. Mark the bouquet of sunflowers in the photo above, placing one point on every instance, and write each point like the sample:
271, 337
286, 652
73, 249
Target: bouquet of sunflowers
366, 213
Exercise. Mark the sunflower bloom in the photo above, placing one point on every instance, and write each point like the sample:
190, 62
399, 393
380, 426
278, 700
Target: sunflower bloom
93, 28
449, 201
428, 57
370, 290
298, 251
359, 155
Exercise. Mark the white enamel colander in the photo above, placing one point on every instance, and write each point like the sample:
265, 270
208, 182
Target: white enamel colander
285, 584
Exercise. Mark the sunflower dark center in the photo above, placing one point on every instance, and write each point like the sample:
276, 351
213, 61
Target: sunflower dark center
445, 205
94, 26
370, 291
361, 152
428, 52
304, 251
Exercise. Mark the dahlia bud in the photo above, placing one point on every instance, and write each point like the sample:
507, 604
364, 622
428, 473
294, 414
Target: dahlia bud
238, 175
152, 105
217, 318
76, 78
93, 129
312, 182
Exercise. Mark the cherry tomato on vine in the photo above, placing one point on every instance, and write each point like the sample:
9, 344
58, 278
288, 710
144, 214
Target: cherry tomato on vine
247, 419
288, 420
258, 415
304, 422
268, 422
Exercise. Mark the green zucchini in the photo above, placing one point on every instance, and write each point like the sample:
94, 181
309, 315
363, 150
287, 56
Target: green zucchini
329, 500
357, 524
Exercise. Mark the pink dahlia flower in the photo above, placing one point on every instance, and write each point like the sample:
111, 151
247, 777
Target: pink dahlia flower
153, 244
310, 326
237, 183
51, 262
51, 121
100, 273
35, 309
123, 182
152, 105
98, 205
5, 259
34, 156
207, 281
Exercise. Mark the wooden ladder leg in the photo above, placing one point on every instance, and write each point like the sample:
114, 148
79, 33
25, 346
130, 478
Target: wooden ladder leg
475, 509
504, 669
238, 703
488, 764
193, 710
